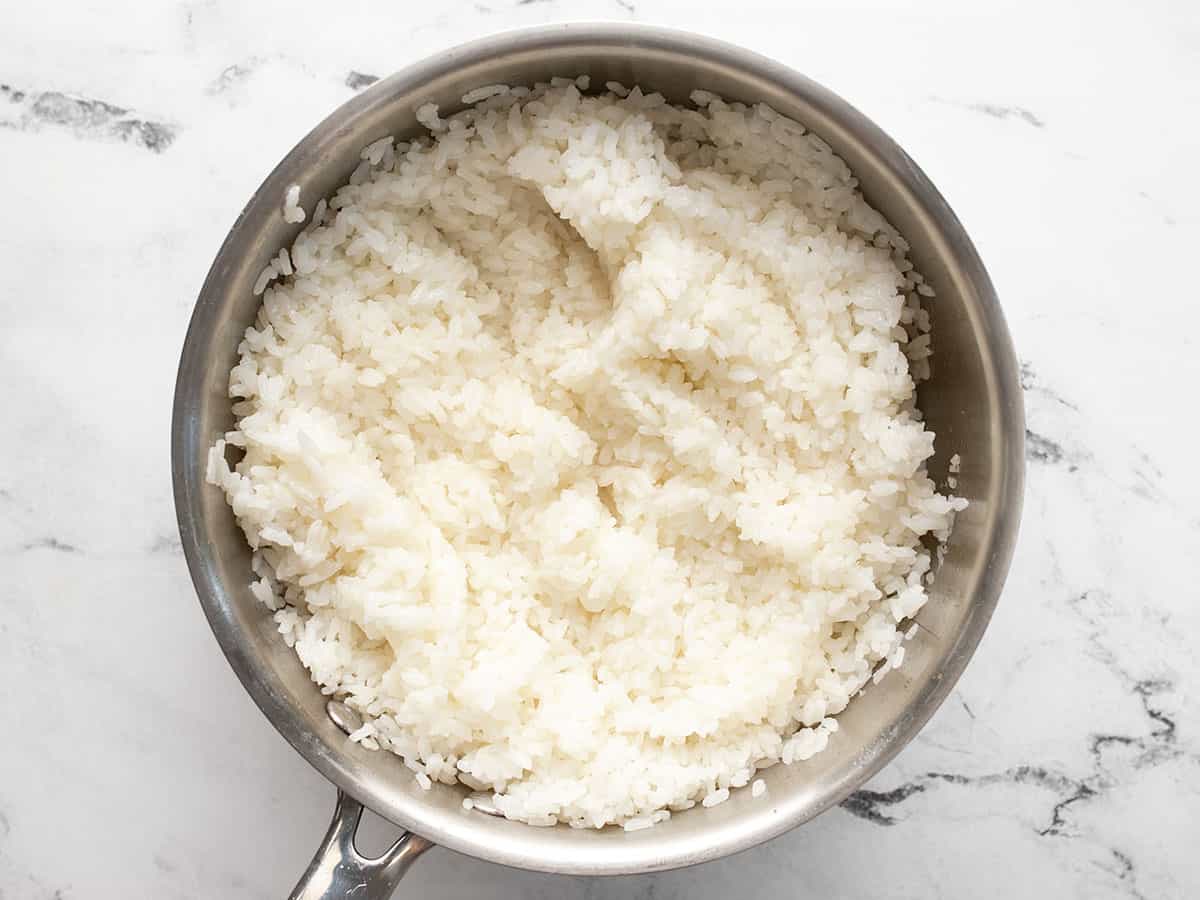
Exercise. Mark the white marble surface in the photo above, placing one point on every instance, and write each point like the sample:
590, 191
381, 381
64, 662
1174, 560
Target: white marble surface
1066, 135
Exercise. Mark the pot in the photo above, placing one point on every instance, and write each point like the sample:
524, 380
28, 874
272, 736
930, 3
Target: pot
972, 401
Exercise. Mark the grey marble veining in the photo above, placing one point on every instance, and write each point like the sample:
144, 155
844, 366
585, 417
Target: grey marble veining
1067, 761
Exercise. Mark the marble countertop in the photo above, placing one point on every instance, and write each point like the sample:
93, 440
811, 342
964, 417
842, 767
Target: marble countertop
133, 764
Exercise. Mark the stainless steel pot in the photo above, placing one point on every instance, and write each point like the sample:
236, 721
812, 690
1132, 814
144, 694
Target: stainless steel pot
973, 402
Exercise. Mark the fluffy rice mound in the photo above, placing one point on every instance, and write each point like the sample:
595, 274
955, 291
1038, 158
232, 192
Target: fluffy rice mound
580, 448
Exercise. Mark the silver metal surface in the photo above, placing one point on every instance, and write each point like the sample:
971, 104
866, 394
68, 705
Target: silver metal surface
483, 804
973, 402
339, 871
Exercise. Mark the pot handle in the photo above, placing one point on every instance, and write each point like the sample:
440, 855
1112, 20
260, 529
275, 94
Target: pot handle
338, 871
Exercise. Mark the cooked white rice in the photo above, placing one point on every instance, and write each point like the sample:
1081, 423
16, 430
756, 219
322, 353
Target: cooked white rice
293, 213
580, 454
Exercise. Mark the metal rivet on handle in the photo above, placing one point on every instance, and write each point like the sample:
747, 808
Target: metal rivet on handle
343, 716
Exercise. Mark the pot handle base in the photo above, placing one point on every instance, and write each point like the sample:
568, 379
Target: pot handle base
338, 870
